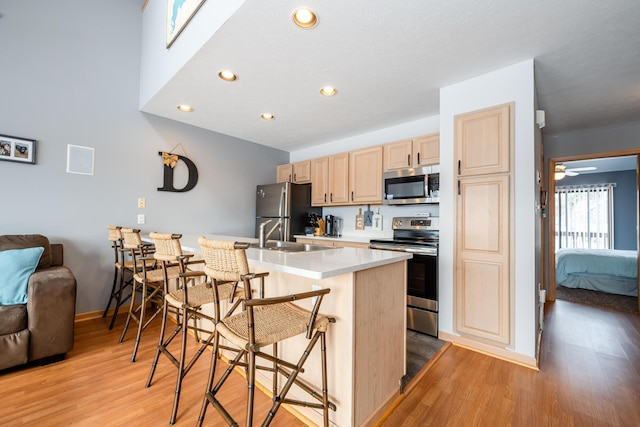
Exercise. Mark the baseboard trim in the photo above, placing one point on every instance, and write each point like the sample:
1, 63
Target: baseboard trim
498, 353
90, 315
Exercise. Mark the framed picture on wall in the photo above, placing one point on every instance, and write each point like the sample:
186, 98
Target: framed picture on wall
16, 149
179, 13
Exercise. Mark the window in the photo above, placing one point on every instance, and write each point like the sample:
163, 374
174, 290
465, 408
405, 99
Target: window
584, 216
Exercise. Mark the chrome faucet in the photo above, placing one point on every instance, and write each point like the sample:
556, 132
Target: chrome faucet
262, 236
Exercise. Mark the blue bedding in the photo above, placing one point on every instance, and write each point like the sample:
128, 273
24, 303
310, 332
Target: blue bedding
612, 271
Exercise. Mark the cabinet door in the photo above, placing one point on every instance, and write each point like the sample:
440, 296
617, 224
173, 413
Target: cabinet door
397, 155
285, 173
320, 181
426, 150
365, 175
302, 172
339, 179
482, 283
483, 141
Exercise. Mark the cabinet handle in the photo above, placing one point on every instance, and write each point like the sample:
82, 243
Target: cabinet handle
458, 187
331, 197
295, 177
408, 159
289, 177
418, 158
352, 196
458, 167
325, 197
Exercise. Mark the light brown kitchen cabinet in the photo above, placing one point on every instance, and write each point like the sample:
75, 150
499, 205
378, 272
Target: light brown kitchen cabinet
333, 243
483, 284
298, 173
365, 175
320, 181
420, 151
426, 150
483, 142
330, 180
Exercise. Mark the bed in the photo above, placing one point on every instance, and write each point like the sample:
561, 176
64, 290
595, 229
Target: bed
612, 271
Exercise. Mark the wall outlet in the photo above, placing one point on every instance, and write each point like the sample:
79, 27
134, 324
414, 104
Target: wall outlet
142, 202
141, 218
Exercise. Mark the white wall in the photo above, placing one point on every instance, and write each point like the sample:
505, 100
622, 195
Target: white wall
74, 79
159, 64
510, 84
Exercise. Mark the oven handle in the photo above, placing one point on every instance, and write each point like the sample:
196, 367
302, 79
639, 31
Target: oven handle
427, 252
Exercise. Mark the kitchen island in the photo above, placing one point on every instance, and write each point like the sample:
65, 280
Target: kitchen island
366, 347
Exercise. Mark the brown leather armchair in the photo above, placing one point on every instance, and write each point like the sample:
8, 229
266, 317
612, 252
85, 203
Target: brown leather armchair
41, 329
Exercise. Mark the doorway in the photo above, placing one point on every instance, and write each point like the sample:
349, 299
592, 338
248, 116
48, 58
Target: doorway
574, 165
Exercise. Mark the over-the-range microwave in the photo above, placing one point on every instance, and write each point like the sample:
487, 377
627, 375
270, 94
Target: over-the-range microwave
411, 186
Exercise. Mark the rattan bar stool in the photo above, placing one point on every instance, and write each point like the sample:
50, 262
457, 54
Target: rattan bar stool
148, 282
186, 302
122, 268
264, 322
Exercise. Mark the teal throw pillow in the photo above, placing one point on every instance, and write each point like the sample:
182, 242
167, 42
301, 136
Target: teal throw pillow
16, 265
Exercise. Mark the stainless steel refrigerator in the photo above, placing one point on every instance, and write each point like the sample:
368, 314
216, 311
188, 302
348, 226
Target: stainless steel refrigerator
286, 202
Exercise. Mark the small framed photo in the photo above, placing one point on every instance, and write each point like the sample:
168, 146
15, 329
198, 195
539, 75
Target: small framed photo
17, 149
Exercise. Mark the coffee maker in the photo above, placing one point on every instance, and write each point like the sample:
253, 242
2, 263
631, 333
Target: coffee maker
333, 226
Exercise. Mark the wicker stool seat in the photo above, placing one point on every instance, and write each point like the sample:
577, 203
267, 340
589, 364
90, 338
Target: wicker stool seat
186, 301
273, 323
263, 322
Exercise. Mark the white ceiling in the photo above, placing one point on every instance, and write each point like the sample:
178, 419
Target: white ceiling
388, 59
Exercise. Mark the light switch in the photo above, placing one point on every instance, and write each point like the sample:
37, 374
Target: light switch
142, 202
141, 218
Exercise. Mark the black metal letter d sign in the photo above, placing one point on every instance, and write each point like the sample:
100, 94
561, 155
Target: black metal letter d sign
169, 161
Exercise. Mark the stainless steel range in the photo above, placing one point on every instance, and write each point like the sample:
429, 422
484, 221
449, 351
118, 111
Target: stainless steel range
418, 235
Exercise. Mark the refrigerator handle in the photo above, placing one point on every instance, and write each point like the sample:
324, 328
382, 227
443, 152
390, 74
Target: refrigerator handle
281, 205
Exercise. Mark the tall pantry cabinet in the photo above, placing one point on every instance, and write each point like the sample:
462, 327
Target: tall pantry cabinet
483, 260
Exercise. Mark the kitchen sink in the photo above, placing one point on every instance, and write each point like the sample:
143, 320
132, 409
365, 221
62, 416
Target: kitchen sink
281, 246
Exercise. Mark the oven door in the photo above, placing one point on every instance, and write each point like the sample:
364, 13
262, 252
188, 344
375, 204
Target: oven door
422, 282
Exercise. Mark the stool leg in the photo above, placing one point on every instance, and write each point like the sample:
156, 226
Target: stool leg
131, 311
212, 372
325, 388
183, 350
251, 382
143, 304
113, 289
165, 313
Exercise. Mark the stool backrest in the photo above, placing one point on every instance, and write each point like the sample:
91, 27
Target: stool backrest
224, 260
131, 238
168, 247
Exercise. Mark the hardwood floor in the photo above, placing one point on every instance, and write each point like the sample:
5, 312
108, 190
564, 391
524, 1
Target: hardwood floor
590, 376
97, 385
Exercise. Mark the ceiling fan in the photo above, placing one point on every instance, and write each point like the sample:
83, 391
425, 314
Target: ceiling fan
562, 171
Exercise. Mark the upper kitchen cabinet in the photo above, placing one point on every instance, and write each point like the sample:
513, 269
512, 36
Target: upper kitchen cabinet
330, 180
483, 142
365, 175
420, 151
298, 173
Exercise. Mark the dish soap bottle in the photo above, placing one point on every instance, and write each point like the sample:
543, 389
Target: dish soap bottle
359, 220
376, 221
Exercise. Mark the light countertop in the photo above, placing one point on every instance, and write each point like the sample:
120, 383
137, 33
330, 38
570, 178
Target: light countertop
314, 265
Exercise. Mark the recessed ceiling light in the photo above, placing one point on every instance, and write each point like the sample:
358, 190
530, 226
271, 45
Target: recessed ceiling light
267, 116
227, 75
185, 108
328, 91
304, 18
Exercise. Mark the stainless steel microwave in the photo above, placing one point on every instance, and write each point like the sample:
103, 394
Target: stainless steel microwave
411, 186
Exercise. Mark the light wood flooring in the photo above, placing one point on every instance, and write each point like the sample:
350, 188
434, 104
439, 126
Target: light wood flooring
590, 376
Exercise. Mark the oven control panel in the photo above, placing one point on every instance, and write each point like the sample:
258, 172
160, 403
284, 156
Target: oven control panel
415, 223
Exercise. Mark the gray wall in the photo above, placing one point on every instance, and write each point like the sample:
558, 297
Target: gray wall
624, 203
70, 75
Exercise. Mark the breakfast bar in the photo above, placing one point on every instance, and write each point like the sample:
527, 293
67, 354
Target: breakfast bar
366, 347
